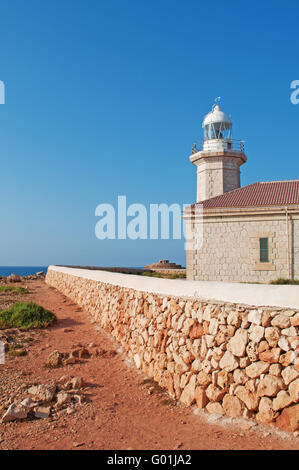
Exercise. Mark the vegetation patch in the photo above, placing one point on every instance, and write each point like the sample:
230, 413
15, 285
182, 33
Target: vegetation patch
16, 351
26, 316
285, 281
15, 289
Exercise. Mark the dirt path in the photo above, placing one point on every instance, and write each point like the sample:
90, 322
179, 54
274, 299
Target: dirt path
122, 410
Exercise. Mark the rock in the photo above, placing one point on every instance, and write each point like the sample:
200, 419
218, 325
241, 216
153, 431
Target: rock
263, 346
257, 333
271, 355
283, 343
196, 365
42, 412
294, 390
289, 374
244, 362
275, 369
224, 379
265, 414
282, 321
62, 398
269, 386
252, 351
282, 400
43, 392
232, 406
54, 359
266, 319
237, 344
256, 369
295, 320
188, 394
15, 412
215, 408
215, 393
14, 278
77, 382
201, 397
234, 319
272, 335
228, 362
289, 419
204, 379
250, 399
287, 358
240, 377
28, 404
291, 331
255, 316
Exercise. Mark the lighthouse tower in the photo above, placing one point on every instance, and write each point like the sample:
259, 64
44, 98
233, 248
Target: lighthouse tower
218, 161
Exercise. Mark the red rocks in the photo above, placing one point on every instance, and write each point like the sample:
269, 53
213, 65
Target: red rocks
289, 419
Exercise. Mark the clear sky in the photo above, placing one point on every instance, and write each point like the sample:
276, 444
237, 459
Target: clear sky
105, 98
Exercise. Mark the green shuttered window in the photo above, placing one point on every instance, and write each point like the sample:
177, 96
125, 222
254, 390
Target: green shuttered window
264, 250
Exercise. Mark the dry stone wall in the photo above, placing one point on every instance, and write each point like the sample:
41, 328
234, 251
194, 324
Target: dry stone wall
229, 359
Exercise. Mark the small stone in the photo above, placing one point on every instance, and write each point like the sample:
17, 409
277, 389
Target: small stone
289, 374
271, 355
282, 321
43, 392
269, 386
257, 333
54, 359
265, 414
272, 336
289, 419
256, 369
62, 398
201, 397
232, 406
42, 412
15, 412
188, 394
237, 344
275, 369
204, 379
282, 400
215, 393
294, 390
250, 399
255, 316
215, 408
284, 344
287, 358
228, 362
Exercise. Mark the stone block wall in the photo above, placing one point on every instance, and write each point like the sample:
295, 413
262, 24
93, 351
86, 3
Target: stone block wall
229, 359
230, 248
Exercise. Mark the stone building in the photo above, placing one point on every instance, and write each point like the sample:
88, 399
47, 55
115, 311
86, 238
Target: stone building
240, 234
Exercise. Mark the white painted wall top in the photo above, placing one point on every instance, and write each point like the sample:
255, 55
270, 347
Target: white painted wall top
284, 296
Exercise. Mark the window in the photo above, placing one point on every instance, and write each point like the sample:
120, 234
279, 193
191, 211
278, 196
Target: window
264, 250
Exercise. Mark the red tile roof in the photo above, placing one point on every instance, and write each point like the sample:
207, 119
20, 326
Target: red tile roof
273, 193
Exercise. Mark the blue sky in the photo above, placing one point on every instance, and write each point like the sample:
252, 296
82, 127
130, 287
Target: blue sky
105, 98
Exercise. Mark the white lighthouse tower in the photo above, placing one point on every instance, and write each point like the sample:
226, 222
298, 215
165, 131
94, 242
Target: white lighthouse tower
218, 161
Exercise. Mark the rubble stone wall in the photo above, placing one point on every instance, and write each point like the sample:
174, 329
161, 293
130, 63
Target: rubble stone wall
230, 359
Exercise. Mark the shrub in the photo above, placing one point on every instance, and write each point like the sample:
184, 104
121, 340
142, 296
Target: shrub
25, 316
17, 290
285, 281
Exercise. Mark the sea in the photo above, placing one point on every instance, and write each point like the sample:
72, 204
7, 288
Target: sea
21, 270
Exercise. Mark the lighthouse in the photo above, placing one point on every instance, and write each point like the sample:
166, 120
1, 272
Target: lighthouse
219, 158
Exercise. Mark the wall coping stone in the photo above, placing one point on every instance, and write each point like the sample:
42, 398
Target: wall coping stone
259, 295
